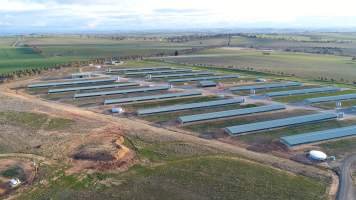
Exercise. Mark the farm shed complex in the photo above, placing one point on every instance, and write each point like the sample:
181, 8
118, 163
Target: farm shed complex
246, 128
152, 97
189, 106
318, 136
229, 113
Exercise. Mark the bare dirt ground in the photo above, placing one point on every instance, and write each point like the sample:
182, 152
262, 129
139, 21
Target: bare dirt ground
131, 128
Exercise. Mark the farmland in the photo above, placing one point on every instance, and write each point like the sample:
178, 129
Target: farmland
136, 146
308, 66
52, 50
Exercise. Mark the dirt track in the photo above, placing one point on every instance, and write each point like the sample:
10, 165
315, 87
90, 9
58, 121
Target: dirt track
135, 127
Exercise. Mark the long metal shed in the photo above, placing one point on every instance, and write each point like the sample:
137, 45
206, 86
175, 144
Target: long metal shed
152, 97
203, 78
138, 69
330, 98
159, 72
246, 128
91, 87
265, 86
229, 113
41, 85
318, 136
181, 75
93, 94
302, 91
189, 106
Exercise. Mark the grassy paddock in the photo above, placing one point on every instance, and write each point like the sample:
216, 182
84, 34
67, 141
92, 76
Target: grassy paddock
309, 66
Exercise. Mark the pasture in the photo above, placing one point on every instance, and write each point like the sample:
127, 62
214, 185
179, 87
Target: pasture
302, 65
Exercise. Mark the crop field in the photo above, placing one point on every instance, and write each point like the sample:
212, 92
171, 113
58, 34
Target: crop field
65, 49
299, 98
325, 43
309, 66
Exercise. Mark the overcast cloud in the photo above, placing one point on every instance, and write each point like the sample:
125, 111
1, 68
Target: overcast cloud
27, 15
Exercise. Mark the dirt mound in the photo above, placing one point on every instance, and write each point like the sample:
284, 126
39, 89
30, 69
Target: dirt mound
102, 150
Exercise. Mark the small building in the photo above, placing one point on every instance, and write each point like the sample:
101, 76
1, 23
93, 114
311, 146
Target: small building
118, 110
207, 84
82, 75
14, 182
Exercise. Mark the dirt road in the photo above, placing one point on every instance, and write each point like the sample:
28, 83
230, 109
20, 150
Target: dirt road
347, 190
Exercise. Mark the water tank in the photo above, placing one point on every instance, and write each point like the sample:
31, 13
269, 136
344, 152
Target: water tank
317, 155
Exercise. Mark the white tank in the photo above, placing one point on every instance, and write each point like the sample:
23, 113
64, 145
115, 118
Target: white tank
317, 155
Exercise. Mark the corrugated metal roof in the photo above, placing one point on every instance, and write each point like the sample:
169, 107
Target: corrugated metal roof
330, 98
182, 75
229, 113
152, 97
319, 136
204, 78
159, 72
189, 106
92, 87
139, 69
265, 86
240, 129
38, 85
302, 91
92, 94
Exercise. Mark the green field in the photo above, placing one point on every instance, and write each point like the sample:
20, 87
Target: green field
202, 178
309, 66
64, 49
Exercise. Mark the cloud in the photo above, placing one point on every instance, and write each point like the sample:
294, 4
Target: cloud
172, 14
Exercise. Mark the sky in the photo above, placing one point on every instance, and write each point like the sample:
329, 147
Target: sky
141, 15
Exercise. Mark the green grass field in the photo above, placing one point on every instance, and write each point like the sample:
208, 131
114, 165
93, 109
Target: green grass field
308, 66
65, 49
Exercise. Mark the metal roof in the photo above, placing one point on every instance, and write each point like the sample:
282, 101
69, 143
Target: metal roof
91, 87
179, 107
330, 98
319, 136
302, 91
152, 97
265, 86
159, 72
204, 78
182, 75
92, 94
229, 113
240, 129
138, 69
38, 85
